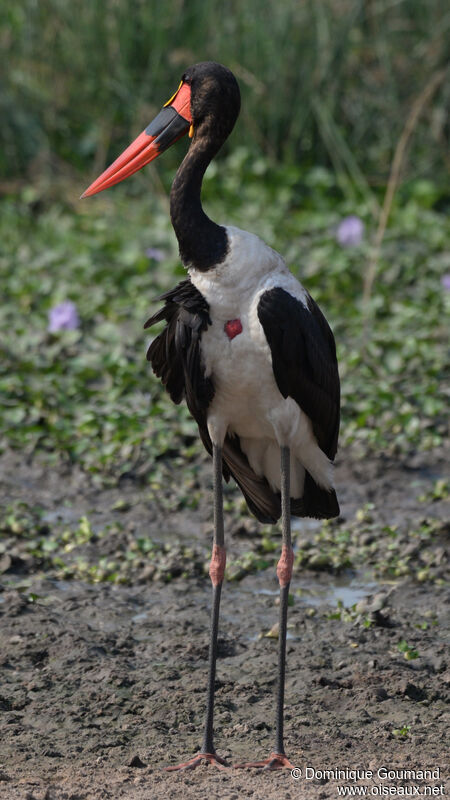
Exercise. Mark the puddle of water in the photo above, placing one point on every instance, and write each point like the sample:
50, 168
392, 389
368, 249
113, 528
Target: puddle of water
61, 514
64, 586
140, 617
348, 592
256, 637
70, 516
325, 590
305, 524
349, 589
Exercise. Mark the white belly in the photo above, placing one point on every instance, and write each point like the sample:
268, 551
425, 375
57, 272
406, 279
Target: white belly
247, 401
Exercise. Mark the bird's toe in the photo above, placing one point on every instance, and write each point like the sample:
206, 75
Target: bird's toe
197, 760
274, 761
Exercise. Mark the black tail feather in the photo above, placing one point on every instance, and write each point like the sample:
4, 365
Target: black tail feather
316, 502
262, 501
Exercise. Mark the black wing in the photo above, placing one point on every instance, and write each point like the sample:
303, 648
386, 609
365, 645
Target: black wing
305, 368
175, 353
175, 356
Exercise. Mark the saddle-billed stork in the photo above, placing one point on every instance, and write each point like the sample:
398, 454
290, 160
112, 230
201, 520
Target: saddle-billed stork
248, 349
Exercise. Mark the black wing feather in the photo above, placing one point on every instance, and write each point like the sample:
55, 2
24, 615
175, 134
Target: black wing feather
305, 368
175, 353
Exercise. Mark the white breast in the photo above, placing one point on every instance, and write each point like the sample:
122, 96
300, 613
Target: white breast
247, 401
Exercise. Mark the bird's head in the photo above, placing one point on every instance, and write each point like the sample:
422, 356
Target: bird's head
215, 99
206, 104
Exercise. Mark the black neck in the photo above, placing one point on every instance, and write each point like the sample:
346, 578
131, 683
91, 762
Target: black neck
202, 242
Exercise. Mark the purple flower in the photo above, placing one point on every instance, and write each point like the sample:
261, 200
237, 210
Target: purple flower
350, 231
155, 254
64, 316
445, 282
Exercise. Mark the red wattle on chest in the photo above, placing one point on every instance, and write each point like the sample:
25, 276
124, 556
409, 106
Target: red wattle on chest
233, 328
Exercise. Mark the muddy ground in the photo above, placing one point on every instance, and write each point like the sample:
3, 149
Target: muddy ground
102, 684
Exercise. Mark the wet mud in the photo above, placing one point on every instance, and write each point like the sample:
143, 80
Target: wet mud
103, 684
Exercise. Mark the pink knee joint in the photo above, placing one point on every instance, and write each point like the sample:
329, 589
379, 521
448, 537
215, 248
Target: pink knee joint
284, 566
217, 565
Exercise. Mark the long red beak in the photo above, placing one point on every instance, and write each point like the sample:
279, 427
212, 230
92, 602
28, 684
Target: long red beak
171, 124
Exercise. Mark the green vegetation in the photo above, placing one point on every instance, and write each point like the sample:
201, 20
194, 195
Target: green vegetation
320, 127
351, 614
30, 545
118, 552
403, 732
87, 395
440, 491
317, 141
409, 652
330, 82
391, 552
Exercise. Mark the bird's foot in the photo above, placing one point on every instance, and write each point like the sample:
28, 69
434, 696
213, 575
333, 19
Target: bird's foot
275, 761
200, 758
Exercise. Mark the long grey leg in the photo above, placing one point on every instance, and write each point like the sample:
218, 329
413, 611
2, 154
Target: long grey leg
216, 571
284, 573
278, 758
